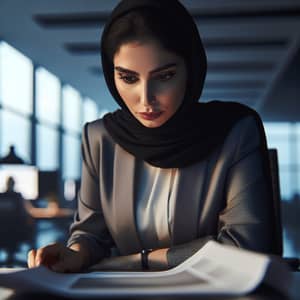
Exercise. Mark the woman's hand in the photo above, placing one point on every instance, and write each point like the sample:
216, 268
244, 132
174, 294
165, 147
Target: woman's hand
59, 258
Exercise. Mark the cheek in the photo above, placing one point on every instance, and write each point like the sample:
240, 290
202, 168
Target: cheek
175, 96
128, 96
123, 91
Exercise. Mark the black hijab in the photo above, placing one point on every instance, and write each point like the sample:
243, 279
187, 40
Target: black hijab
196, 129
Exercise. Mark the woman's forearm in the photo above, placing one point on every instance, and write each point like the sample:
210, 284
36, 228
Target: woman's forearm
157, 260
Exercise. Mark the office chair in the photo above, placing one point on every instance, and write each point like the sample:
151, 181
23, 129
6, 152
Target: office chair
273, 159
16, 227
293, 262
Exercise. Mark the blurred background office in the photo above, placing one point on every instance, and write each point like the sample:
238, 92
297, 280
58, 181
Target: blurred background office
51, 83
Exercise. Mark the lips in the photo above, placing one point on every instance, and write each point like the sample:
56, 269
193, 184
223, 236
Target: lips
151, 115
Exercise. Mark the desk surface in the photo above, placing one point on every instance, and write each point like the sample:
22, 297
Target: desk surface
262, 293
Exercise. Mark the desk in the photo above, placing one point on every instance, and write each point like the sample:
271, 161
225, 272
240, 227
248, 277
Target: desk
50, 212
262, 293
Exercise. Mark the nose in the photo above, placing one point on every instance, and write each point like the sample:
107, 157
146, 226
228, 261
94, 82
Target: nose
147, 96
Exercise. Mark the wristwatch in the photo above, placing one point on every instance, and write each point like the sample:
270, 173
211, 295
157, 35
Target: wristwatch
144, 258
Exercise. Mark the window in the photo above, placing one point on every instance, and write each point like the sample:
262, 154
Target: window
16, 73
102, 113
47, 148
285, 184
284, 137
72, 126
71, 157
71, 109
15, 130
283, 146
47, 97
90, 110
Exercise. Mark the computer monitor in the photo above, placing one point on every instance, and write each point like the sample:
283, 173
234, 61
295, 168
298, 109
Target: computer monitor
25, 177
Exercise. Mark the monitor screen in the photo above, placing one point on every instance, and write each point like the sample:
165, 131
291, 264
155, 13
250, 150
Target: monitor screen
25, 177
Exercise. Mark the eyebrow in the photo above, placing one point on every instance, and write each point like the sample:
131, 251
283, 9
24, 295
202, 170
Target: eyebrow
164, 67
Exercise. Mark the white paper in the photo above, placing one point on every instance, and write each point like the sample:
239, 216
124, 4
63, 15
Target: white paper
214, 269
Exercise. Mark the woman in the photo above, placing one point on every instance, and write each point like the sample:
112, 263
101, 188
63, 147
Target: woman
164, 174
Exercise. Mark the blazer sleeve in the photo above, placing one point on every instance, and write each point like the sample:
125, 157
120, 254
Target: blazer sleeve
247, 221
89, 227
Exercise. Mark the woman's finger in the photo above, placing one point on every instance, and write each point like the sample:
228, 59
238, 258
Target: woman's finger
31, 258
39, 257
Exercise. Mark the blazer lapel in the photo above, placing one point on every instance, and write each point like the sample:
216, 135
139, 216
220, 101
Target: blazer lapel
123, 206
188, 188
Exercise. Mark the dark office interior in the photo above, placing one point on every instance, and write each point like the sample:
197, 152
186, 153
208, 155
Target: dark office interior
51, 83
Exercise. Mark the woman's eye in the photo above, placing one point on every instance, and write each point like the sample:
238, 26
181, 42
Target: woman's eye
166, 76
129, 79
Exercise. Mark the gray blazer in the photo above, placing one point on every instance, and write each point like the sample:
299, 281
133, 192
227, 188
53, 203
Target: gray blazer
226, 197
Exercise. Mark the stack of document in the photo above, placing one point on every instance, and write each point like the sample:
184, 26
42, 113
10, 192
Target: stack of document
215, 269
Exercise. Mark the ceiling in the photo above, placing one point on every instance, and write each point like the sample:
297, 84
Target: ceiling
253, 47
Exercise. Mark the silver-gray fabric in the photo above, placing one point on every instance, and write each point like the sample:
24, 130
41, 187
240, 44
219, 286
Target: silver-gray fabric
128, 204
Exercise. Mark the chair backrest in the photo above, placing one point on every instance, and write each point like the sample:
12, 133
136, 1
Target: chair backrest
10, 205
273, 158
15, 222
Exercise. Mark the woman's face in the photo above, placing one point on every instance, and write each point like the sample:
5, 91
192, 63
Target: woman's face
150, 80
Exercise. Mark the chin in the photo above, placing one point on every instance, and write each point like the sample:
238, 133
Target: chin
152, 124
